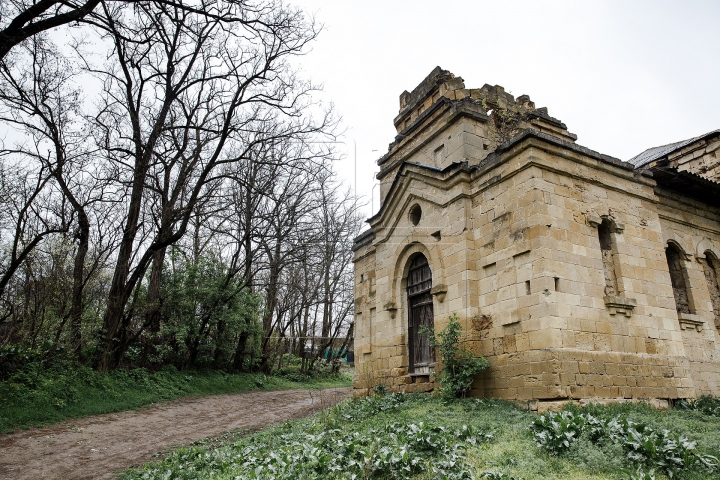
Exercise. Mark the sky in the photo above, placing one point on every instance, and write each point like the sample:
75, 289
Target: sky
623, 76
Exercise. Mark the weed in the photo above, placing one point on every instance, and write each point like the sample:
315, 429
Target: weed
384, 435
642, 444
356, 449
459, 366
706, 404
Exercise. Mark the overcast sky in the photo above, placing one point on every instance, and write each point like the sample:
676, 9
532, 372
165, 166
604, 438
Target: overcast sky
624, 76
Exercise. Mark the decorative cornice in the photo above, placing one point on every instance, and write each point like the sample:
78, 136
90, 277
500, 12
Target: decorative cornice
620, 305
689, 321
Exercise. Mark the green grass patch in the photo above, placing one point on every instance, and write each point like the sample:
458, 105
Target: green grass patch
422, 437
38, 395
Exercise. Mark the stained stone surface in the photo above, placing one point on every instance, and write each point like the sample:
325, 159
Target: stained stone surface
511, 207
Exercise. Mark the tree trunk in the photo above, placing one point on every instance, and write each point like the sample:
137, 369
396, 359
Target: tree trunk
152, 313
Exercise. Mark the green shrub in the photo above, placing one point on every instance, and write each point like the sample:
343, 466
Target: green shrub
706, 404
16, 358
642, 444
459, 366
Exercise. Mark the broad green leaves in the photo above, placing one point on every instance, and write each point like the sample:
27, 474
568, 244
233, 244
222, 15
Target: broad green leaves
643, 445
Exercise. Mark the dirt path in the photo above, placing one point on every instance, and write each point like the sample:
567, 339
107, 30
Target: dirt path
104, 445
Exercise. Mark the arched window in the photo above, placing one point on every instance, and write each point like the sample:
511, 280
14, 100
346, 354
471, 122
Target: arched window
678, 278
420, 313
608, 257
711, 266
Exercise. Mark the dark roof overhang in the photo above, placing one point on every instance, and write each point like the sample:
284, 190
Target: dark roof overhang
688, 184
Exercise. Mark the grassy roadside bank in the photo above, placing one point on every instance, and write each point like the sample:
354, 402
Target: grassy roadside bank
420, 437
41, 396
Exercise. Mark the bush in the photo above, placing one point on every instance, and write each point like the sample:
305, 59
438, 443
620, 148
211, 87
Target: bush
15, 358
459, 366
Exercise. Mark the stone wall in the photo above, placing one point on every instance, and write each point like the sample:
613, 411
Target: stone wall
521, 261
694, 229
562, 339
701, 157
553, 256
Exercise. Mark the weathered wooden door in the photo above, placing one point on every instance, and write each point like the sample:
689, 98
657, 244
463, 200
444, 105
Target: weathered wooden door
420, 312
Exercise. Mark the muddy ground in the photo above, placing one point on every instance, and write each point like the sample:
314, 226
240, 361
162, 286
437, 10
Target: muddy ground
104, 445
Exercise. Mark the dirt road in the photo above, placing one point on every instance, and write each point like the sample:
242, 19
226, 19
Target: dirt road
104, 445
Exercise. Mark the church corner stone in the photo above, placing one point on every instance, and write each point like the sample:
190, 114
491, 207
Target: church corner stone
577, 275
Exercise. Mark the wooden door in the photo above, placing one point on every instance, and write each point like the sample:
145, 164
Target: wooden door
420, 313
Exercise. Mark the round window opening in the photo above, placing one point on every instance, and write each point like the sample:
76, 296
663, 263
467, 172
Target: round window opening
415, 214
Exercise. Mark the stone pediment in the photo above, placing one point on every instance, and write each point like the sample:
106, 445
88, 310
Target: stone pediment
400, 195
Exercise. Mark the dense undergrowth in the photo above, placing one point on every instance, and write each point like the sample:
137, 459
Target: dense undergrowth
423, 437
650, 448
38, 393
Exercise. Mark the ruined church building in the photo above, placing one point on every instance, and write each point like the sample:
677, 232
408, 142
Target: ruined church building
577, 275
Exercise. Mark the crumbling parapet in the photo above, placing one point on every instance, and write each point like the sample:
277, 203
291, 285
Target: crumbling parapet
509, 115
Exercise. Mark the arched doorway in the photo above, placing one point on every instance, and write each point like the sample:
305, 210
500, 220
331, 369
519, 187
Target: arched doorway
420, 313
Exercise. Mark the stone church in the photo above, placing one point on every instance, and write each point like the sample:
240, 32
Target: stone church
577, 275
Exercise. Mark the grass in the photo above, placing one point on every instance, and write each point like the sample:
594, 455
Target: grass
40, 396
415, 436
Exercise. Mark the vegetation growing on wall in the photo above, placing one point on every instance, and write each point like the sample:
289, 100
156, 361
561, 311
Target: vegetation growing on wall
458, 365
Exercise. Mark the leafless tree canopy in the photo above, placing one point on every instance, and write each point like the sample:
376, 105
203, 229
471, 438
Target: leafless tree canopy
167, 188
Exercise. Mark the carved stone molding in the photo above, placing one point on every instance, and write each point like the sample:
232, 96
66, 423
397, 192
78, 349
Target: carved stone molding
689, 321
439, 291
620, 305
392, 308
593, 219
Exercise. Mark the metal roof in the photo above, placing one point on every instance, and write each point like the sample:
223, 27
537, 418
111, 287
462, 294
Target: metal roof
654, 153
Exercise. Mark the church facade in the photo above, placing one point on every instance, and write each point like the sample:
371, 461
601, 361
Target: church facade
577, 275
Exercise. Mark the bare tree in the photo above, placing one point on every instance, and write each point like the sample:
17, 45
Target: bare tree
180, 94
201, 143
338, 226
22, 19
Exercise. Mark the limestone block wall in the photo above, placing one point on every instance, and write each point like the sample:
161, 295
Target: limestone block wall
541, 281
701, 157
695, 228
516, 247
442, 139
381, 316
